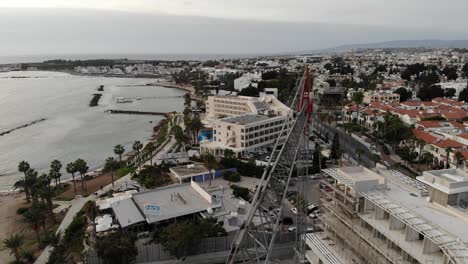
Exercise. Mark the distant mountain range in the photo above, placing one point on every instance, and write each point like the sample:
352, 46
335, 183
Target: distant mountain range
426, 43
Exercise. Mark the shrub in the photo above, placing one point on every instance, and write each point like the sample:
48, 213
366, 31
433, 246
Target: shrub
22, 210
240, 192
232, 176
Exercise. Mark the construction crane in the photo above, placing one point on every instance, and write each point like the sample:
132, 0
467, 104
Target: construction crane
255, 240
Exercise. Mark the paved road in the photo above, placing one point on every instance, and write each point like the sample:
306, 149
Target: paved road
348, 143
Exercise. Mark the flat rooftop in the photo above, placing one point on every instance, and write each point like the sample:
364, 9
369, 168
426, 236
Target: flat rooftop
193, 170
127, 212
172, 201
352, 175
452, 221
449, 181
245, 119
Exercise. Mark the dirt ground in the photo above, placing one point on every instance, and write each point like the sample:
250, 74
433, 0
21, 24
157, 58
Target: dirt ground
92, 184
10, 222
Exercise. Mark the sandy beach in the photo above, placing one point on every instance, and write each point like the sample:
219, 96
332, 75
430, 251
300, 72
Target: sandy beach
10, 221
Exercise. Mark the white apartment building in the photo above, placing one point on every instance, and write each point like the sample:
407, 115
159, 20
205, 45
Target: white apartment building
387, 217
244, 124
247, 79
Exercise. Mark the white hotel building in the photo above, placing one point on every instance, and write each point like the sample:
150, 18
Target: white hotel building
244, 124
386, 217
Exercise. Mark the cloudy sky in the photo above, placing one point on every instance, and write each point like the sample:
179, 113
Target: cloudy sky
32, 27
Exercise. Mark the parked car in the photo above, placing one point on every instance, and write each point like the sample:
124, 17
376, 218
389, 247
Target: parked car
294, 210
313, 215
315, 177
291, 229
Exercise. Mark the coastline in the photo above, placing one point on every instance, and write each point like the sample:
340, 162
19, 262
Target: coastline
7, 189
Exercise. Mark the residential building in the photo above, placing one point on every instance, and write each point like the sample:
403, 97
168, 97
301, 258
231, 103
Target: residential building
384, 216
246, 80
245, 124
381, 97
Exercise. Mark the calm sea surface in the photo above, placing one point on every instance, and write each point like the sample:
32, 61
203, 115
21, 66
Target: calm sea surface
72, 129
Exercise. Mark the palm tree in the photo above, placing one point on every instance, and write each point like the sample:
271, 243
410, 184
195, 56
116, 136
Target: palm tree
195, 126
150, 148
71, 168
357, 99
82, 168
137, 146
35, 217
119, 150
46, 192
14, 243
210, 163
30, 183
459, 157
111, 164
23, 167
55, 167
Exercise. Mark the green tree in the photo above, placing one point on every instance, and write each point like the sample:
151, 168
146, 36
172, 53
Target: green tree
210, 163
31, 183
46, 192
405, 95
447, 152
228, 154
119, 150
14, 243
35, 218
180, 238
357, 99
150, 149
71, 168
179, 135
187, 101
249, 91
82, 168
317, 160
459, 158
111, 165
335, 148
195, 126
427, 93
118, 248
137, 146
55, 167
463, 96
23, 167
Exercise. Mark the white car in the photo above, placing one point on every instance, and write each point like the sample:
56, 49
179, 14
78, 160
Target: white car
313, 215
294, 210
267, 158
291, 229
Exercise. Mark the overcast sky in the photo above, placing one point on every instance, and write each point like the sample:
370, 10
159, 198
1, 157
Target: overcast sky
219, 26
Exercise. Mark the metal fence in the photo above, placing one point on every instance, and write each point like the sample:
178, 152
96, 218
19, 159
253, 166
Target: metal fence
156, 252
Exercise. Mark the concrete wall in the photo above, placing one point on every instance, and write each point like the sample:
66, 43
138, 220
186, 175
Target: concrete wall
439, 197
202, 192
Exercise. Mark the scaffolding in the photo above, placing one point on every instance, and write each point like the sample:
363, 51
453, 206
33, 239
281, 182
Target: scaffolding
262, 223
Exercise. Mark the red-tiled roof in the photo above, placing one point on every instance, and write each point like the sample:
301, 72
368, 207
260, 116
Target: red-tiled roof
429, 103
465, 136
448, 143
411, 103
428, 124
464, 153
453, 115
424, 136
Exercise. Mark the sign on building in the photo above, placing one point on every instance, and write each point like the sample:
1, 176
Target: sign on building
152, 209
